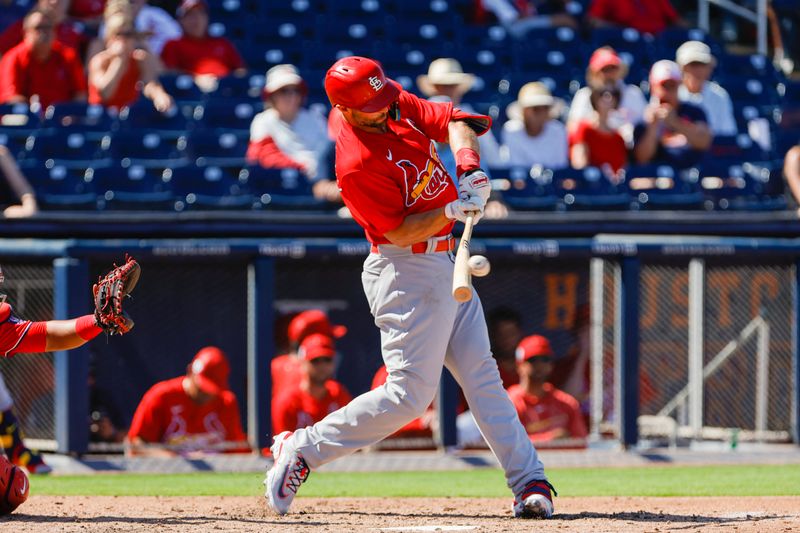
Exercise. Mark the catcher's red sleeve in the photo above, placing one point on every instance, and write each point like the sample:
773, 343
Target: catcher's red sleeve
35, 340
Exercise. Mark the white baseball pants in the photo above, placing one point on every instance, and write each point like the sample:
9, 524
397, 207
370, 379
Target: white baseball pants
422, 328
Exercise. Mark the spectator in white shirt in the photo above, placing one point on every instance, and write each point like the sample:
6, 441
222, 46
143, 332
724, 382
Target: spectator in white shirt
607, 71
532, 136
154, 23
447, 81
697, 64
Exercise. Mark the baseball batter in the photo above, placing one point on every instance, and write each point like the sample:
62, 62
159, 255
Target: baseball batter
396, 188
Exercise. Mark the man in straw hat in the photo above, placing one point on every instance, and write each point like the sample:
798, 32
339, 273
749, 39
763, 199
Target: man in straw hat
606, 70
532, 135
447, 81
697, 64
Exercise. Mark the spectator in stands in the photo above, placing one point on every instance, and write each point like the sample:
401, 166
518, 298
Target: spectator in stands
40, 70
192, 413
546, 412
532, 136
288, 135
594, 142
607, 70
697, 64
288, 369
791, 171
204, 57
318, 393
674, 133
88, 12
66, 32
16, 193
521, 16
645, 16
505, 332
119, 73
153, 23
421, 427
446, 81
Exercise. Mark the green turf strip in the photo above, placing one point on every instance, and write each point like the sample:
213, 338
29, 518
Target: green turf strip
742, 480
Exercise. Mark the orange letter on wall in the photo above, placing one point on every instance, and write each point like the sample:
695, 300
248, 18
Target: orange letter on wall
562, 297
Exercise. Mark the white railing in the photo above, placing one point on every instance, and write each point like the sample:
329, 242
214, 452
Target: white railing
759, 17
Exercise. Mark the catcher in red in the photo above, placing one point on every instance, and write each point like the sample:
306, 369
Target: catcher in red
14, 486
24, 336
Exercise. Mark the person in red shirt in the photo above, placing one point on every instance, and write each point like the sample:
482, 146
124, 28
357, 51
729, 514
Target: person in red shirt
67, 32
396, 188
646, 16
24, 336
39, 69
125, 68
546, 412
196, 53
188, 414
288, 369
318, 394
594, 142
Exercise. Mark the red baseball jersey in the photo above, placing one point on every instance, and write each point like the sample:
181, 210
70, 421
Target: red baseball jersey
556, 414
210, 55
59, 79
12, 330
287, 372
167, 415
384, 177
296, 408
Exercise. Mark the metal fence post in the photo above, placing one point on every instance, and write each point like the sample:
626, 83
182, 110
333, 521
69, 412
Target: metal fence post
71, 300
596, 278
260, 349
795, 408
629, 351
695, 371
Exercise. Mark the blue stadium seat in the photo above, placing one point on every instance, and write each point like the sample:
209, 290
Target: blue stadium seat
484, 60
131, 188
206, 188
533, 57
91, 120
61, 188
359, 8
18, 121
352, 32
749, 66
432, 31
73, 150
206, 147
142, 115
239, 87
744, 90
146, 148
289, 9
228, 115
236, 26
276, 188
425, 9
739, 187
735, 149
182, 88
662, 187
15, 146
589, 189
409, 58
525, 190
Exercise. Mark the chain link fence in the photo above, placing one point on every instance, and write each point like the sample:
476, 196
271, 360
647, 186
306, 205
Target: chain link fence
30, 377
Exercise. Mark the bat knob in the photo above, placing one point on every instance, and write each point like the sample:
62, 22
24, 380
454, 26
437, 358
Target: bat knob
462, 294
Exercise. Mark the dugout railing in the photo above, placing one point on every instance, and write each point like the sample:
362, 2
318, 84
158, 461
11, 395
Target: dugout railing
660, 310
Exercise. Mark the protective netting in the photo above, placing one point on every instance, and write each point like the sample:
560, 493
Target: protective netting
29, 377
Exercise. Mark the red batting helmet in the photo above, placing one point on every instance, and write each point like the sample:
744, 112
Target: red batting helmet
359, 83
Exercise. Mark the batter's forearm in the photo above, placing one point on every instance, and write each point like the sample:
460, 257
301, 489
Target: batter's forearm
418, 227
462, 136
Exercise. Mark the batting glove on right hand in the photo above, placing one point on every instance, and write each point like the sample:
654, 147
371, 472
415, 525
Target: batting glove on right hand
475, 183
460, 209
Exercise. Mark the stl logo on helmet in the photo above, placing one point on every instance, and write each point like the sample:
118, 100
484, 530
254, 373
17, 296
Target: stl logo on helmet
376, 83
428, 183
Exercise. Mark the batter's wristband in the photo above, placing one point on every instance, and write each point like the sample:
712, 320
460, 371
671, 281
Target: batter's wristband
86, 327
467, 159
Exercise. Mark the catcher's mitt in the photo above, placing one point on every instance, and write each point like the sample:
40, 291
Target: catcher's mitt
109, 293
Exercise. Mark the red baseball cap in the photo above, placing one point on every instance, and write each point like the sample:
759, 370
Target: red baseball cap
533, 346
602, 58
188, 5
313, 321
210, 369
316, 345
359, 83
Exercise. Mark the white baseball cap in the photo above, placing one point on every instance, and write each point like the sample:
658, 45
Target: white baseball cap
694, 52
281, 76
664, 70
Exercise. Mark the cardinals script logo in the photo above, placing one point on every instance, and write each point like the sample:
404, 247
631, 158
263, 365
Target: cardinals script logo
426, 183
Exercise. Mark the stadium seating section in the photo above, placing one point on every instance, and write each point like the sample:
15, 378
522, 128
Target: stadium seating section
83, 157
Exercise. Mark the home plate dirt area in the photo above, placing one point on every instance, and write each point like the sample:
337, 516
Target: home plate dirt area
221, 514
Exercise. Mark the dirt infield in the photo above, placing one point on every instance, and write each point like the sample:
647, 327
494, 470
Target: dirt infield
216, 514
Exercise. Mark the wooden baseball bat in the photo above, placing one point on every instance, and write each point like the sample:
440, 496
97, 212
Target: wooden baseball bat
462, 278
